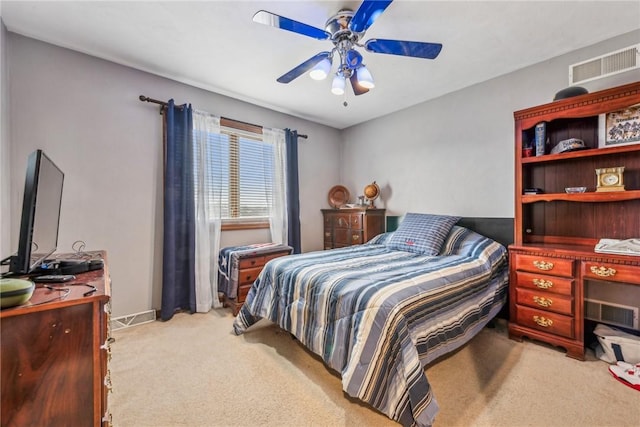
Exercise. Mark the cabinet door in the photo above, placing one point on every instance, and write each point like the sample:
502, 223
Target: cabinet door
47, 368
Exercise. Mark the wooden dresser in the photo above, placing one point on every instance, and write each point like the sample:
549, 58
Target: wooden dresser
55, 354
347, 227
553, 264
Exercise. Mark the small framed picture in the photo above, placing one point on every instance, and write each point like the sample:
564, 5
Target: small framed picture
620, 127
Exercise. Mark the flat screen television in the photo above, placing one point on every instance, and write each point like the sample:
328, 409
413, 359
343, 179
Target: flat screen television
40, 218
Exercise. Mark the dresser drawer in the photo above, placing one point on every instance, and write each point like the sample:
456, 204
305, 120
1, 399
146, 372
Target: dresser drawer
558, 285
611, 272
255, 261
248, 275
544, 301
356, 221
546, 265
341, 220
546, 321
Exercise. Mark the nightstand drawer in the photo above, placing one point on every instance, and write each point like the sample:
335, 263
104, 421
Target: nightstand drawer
552, 323
269, 257
544, 301
558, 285
611, 272
243, 290
256, 261
249, 275
546, 265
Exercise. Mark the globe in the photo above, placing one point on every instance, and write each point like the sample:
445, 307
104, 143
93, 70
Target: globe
372, 192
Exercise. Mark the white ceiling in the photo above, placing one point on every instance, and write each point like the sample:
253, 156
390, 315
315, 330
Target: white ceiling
215, 45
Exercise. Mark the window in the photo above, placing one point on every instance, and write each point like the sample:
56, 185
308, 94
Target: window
241, 175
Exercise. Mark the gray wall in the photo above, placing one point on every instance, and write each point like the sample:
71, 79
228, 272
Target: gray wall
450, 155
85, 114
455, 154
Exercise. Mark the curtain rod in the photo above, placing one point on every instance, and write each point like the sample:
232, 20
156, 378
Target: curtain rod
164, 104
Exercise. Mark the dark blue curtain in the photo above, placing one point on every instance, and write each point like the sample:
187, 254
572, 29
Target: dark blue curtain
178, 276
293, 190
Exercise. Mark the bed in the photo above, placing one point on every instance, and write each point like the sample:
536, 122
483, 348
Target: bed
378, 313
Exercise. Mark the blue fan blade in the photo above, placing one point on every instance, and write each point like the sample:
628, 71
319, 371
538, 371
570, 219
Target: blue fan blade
404, 48
268, 18
366, 14
303, 68
357, 89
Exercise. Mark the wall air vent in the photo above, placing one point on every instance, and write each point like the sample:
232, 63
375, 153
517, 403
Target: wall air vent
606, 65
612, 314
132, 320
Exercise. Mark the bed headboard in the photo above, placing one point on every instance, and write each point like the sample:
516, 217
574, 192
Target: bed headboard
498, 229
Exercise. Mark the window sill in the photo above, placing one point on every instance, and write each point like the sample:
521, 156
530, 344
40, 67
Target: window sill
245, 225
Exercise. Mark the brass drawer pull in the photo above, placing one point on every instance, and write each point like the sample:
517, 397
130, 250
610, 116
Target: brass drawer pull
543, 284
603, 271
543, 321
542, 301
543, 265
355, 237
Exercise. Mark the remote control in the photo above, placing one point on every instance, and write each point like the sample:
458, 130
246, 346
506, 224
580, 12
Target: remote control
54, 278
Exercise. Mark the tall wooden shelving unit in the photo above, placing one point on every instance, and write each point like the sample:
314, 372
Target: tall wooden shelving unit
555, 233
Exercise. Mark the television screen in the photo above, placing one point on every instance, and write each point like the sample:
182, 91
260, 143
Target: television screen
40, 213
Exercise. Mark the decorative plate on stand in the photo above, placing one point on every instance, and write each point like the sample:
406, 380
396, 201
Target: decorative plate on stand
338, 196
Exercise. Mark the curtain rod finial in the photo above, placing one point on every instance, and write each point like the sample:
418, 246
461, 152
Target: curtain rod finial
142, 98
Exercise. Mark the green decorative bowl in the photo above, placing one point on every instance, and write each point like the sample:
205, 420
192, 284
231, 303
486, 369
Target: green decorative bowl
15, 292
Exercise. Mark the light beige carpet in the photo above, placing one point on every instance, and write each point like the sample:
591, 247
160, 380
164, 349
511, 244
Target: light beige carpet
192, 371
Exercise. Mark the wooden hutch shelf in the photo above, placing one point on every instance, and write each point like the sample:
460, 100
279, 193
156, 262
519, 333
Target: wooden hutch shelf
552, 260
587, 197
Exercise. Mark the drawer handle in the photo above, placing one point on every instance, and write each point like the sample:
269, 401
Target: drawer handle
355, 237
542, 301
248, 277
603, 271
543, 265
543, 284
543, 321
327, 234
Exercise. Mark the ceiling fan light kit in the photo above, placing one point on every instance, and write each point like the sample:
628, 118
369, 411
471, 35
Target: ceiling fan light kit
321, 70
338, 84
344, 30
365, 79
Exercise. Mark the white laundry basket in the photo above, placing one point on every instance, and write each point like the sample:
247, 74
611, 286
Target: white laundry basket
617, 345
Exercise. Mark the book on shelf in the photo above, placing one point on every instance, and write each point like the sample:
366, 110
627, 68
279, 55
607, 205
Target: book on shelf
530, 191
540, 138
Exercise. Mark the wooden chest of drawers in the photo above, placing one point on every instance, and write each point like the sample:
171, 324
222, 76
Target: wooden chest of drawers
249, 267
347, 227
543, 301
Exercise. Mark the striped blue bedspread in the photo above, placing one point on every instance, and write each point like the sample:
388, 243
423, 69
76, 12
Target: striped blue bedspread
379, 316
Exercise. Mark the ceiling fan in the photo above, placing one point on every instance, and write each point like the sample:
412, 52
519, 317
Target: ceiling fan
345, 30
